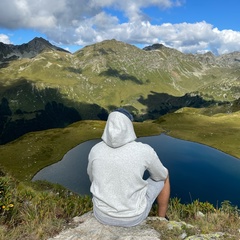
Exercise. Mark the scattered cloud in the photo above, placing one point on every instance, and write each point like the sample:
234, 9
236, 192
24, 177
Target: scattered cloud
5, 39
84, 22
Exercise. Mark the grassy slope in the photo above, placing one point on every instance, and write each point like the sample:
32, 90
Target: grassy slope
30, 153
113, 73
27, 155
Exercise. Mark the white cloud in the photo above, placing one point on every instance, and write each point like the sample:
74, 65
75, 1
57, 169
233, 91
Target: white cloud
85, 22
4, 39
229, 41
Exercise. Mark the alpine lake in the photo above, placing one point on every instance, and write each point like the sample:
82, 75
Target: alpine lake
197, 172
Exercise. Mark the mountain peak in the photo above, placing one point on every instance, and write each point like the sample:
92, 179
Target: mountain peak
39, 40
9, 52
39, 44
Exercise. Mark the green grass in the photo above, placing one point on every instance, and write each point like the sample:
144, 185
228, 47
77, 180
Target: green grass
30, 153
37, 210
199, 218
24, 157
41, 210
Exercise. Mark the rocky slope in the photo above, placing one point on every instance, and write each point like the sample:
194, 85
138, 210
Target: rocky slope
9, 52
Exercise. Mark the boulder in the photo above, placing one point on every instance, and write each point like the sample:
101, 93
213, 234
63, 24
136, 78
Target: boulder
88, 228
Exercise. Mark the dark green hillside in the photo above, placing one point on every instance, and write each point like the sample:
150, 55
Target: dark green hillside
27, 155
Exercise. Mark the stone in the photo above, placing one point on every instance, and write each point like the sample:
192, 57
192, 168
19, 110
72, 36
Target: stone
88, 228
211, 236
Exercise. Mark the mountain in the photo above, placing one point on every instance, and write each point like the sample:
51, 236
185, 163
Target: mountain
9, 52
43, 86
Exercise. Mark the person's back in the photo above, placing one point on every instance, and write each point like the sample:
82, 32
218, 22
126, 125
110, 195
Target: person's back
116, 167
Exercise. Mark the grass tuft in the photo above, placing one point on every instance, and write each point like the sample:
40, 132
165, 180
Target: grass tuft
37, 210
198, 218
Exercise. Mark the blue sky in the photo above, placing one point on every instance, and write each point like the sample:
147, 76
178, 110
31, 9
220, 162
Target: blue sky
190, 26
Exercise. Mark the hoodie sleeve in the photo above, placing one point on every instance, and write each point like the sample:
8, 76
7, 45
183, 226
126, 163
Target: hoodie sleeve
156, 169
89, 167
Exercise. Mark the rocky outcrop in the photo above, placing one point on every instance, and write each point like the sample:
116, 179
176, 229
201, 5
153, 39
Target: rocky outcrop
86, 227
9, 52
89, 228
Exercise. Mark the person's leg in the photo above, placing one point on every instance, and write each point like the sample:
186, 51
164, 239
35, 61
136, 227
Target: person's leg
163, 199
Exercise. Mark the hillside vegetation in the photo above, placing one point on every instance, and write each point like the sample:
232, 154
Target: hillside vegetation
121, 73
44, 87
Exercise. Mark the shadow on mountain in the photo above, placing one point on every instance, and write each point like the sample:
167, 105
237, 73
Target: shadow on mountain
122, 76
54, 115
4, 64
74, 70
236, 105
103, 51
159, 104
24, 108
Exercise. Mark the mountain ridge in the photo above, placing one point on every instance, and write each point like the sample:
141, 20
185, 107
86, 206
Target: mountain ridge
39, 80
26, 50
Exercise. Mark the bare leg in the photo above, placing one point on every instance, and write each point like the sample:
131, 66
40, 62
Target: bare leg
163, 199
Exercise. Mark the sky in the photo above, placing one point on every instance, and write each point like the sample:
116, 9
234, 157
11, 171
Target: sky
190, 26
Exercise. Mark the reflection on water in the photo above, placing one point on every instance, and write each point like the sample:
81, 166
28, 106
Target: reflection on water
196, 171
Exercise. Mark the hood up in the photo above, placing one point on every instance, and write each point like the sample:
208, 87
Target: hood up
118, 130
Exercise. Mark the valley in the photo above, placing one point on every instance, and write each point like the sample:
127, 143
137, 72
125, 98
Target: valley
44, 88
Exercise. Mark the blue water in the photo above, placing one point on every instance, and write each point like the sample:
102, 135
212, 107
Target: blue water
196, 171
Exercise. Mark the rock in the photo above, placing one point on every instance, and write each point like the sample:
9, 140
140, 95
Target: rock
200, 214
211, 236
88, 228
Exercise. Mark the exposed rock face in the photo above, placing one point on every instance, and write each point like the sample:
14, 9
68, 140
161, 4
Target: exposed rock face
88, 228
9, 52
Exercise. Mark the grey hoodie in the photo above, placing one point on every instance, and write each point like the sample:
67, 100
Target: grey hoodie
116, 166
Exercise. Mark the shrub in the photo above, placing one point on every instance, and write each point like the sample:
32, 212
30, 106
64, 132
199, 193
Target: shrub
7, 198
37, 210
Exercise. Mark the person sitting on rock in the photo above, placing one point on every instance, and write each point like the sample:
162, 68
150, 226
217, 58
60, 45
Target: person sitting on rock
116, 165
